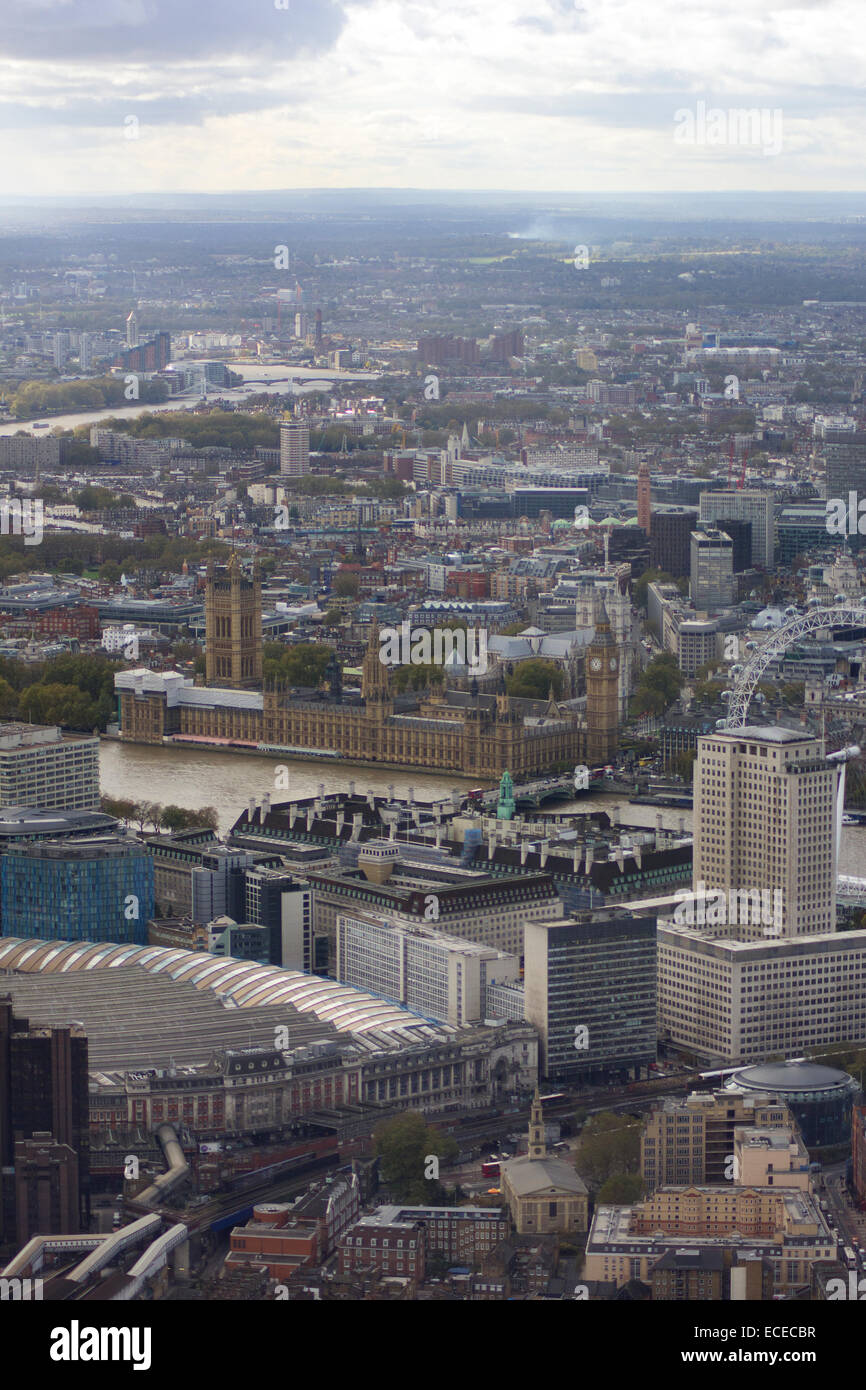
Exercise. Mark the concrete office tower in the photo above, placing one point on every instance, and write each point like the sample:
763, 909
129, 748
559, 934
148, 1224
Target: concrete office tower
318, 325
132, 329
300, 324
85, 351
43, 768
233, 627
747, 504
644, 509
765, 824
294, 449
712, 570
845, 459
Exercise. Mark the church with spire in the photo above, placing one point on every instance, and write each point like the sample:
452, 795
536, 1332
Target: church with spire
544, 1193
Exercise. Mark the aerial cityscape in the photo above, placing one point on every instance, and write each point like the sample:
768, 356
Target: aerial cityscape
432, 672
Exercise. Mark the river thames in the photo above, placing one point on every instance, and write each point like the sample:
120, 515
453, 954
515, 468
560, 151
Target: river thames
194, 778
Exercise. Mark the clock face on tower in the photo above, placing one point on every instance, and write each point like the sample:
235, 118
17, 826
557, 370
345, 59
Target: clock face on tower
595, 663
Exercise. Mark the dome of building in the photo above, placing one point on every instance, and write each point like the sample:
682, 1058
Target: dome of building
820, 1098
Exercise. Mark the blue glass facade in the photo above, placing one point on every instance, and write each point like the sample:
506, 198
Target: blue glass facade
96, 891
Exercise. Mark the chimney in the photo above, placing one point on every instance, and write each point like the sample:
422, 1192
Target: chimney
614, 814
356, 825
341, 817
411, 796
266, 805
590, 856
251, 809
371, 798
545, 850
682, 825
390, 791
351, 788
524, 846
310, 814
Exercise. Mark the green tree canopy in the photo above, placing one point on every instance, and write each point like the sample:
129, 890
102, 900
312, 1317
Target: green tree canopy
609, 1146
532, 680
404, 1146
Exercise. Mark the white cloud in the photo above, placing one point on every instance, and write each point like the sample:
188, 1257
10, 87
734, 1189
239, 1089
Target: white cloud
556, 97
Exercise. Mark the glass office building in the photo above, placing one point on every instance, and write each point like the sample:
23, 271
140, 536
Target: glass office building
99, 889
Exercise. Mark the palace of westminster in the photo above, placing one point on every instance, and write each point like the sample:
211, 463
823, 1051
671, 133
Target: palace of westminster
461, 730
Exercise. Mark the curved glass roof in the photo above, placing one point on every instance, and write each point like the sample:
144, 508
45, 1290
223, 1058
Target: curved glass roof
241, 984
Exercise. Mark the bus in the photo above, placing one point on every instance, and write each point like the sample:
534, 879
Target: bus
850, 1259
558, 1095
491, 1169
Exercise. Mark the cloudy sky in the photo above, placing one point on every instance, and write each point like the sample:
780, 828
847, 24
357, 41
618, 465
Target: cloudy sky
126, 96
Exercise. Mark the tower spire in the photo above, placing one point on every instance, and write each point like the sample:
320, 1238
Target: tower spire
537, 1137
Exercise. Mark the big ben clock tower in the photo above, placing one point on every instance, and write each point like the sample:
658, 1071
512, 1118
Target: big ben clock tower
602, 692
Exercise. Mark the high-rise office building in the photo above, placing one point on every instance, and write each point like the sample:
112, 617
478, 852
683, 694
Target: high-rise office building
294, 449
670, 540
43, 768
745, 504
43, 1091
845, 458
85, 351
590, 987
233, 627
712, 570
98, 889
765, 821
132, 329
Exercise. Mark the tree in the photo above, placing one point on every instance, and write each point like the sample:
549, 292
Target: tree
609, 1145
206, 818
304, 664
346, 585
332, 618
405, 1145
659, 685
533, 679
420, 677
621, 1189
118, 807
175, 818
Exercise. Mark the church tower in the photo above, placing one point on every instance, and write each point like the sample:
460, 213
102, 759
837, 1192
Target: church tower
537, 1138
602, 692
233, 627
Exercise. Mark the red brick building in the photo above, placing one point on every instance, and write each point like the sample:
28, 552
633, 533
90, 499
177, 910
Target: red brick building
81, 622
398, 1249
